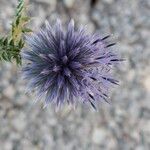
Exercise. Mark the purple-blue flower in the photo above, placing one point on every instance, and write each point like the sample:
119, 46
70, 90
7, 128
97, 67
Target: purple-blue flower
69, 67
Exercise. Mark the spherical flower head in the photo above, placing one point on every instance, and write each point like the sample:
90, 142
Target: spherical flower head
69, 66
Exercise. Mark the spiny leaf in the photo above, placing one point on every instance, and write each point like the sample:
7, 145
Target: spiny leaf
11, 45
26, 30
11, 42
5, 41
25, 19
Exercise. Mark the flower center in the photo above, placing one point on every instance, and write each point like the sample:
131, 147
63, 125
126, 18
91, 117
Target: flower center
65, 60
62, 66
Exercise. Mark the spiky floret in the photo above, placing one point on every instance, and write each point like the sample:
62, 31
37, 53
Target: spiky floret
69, 66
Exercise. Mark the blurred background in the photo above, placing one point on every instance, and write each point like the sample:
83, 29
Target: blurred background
123, 125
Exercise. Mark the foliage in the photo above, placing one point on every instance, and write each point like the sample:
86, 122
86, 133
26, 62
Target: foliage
11, 45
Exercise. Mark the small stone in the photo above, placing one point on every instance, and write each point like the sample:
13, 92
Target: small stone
140, 147
19, 122
146, 127
9, 92
44, 1
95, 16
69, 3
99, 135
109, 1
131, 75
8, 145
112, 143
147, 83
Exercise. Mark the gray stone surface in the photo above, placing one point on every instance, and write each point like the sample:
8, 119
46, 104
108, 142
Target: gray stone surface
123, 125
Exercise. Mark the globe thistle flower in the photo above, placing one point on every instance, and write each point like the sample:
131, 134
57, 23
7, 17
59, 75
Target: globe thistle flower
69, 67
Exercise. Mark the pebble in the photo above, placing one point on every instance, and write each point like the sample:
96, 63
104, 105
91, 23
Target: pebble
99, 135
109, 1
146, 83
69, 3
9, 92
19, 122
44, 1
8, 145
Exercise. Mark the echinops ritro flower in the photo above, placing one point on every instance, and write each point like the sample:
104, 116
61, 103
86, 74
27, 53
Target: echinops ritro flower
69, 67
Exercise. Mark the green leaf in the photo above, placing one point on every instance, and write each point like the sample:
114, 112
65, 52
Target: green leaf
5, 41
26, 30
11, 42
25, 18
18, 20
21, 44
4, 56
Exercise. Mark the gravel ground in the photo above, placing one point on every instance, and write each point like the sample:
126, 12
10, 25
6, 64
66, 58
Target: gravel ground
123, 125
